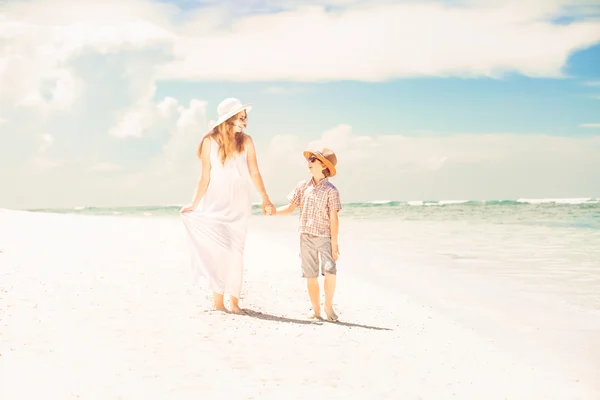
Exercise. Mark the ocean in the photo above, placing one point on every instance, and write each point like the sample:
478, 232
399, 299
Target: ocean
579, 212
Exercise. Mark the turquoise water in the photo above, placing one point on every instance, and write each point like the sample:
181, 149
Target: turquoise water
579, 213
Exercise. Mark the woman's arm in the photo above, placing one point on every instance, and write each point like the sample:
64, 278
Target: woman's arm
256, 177
204, 180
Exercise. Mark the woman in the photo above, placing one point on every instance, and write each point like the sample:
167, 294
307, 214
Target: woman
217, 219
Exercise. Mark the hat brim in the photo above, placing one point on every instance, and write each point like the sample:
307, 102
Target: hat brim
325, 161
225, 117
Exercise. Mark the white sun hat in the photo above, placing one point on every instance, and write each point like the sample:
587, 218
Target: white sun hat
227, 109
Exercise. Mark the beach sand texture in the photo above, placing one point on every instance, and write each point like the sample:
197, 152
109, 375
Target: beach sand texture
101, 308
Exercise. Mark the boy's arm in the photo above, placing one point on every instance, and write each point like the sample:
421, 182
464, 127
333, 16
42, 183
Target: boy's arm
335, 205
286, 210
294, 201
334, 226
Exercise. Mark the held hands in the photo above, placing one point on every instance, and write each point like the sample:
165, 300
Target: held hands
268, 208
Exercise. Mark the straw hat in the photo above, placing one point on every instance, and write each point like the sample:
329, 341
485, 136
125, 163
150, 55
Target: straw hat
326, 156
228, 108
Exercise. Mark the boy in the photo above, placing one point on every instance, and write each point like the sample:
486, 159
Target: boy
319, 203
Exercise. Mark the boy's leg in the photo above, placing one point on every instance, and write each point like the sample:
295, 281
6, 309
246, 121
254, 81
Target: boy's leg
330, 280
329, 269
314, 294
309, 259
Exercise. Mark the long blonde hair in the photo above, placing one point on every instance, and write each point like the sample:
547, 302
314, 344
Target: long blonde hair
229, 142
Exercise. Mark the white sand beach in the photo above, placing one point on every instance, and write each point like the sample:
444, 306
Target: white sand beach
98, 307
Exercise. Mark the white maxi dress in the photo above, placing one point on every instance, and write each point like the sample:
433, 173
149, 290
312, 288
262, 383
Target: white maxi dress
217, 227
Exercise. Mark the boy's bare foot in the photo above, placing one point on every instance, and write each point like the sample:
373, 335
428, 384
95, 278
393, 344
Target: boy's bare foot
314, 315
331, 315
221, 308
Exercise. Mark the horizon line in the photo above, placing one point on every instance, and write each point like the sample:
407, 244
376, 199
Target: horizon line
525, 200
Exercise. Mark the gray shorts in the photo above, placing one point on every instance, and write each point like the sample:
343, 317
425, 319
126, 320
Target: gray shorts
315, 252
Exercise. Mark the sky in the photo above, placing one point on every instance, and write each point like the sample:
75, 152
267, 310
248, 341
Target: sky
104, 103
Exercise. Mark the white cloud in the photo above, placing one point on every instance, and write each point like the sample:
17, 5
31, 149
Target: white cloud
192, 116
132, 123
474, 166
107, 36
147, 115
57, 91
42, 164
105, 167
593, 126
592, 83
48, 139
180, 150
42, 161
88, 85
285, 90
167, 177
61, 174
406, 39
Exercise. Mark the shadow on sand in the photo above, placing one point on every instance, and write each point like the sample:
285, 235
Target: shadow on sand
269, 317
352, 325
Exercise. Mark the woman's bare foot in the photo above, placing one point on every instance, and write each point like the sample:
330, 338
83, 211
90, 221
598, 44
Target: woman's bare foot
219, 302
235, 308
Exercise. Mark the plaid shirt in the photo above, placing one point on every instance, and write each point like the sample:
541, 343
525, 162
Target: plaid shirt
315, 201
